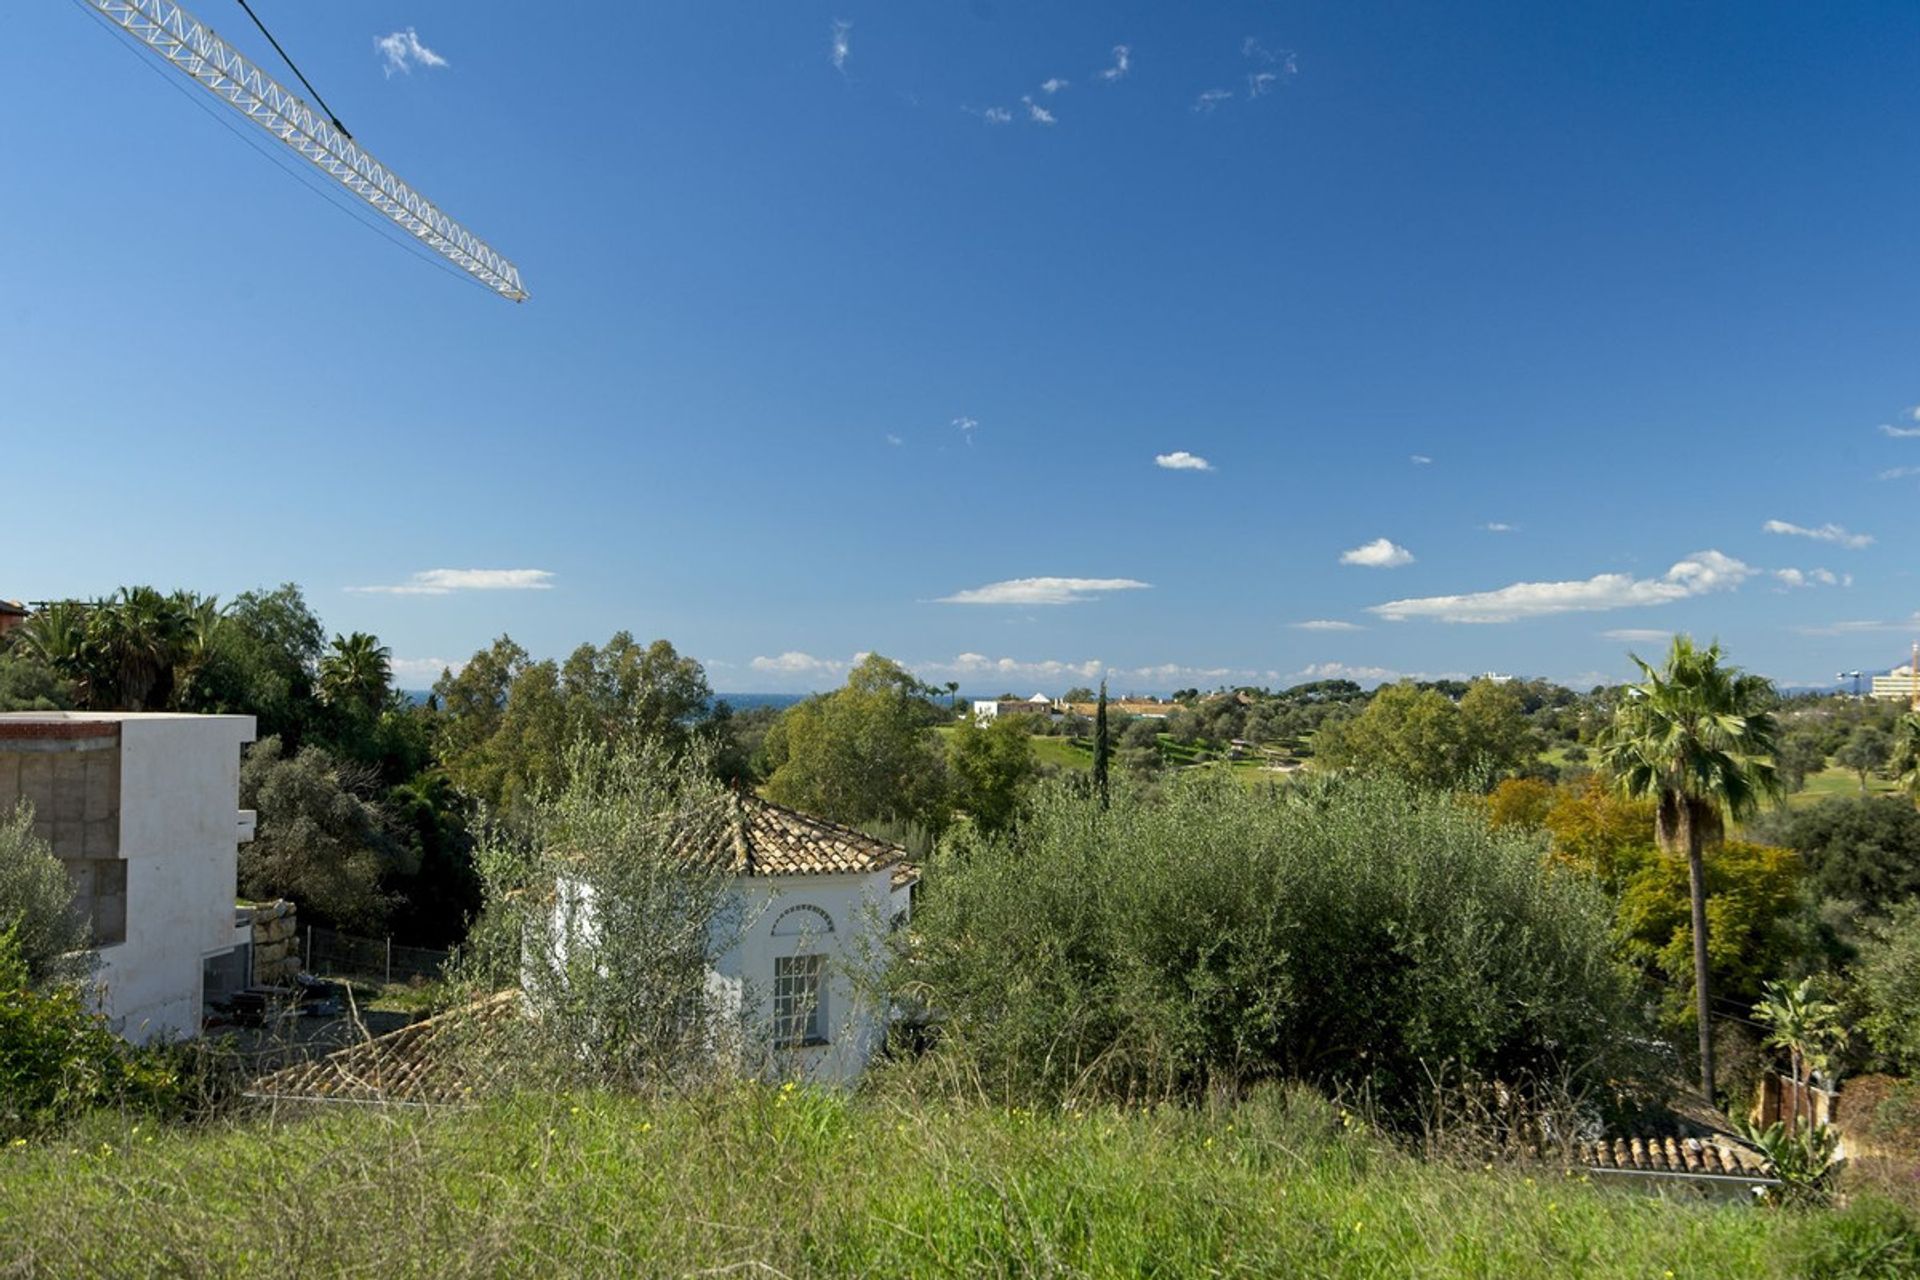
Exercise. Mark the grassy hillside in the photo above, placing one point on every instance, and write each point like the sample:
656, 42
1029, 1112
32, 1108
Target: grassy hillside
769, 1182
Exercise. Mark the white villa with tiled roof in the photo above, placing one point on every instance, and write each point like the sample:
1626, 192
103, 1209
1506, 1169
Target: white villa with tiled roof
814, 902
820, 899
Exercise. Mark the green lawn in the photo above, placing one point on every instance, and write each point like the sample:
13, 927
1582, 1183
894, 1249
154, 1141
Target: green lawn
1840, 782
766, 1182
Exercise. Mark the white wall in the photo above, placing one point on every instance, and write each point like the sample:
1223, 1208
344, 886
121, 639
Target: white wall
861, 908
179, 832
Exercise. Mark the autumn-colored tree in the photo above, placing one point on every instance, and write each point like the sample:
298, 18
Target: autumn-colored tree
1521, 802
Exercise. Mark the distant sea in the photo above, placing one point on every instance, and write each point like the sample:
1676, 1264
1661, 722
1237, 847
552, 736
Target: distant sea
748, 701
738, 701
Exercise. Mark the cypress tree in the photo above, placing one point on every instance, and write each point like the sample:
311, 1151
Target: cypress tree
1101, 747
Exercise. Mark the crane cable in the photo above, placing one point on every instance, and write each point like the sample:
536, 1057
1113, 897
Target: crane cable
318, 100
276, 158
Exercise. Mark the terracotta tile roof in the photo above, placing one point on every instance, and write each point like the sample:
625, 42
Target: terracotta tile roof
767, 839
1671, 1155
430, 1062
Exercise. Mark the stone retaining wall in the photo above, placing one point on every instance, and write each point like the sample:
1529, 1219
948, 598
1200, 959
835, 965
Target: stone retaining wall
276, 944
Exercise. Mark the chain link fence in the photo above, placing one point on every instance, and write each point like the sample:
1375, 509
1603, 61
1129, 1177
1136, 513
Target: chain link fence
341, 955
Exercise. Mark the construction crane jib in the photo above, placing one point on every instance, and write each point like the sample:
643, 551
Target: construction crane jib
190, 45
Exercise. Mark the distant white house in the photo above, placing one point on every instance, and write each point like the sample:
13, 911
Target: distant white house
987, 710
813, 902
142, 808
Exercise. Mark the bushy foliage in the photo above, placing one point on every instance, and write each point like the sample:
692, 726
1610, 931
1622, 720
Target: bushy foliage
26, 685
990, 767
1353, 931
602, 907
1758, 926
1422, 735
507, 720
57, 1059
1887, 976
36, 903
322, 839
864, 751
1521, 802
1864, 850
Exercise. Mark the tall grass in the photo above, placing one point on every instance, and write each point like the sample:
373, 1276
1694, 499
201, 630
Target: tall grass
758, 1180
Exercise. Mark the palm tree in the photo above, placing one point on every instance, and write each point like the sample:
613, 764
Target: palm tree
1694, 737
1906, 752
137, 636
56, 637
202, 622
355, 672
1807, 1026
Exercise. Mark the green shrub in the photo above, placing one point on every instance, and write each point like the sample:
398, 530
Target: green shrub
1355, 932
58, 1060
36, 903
1888, 981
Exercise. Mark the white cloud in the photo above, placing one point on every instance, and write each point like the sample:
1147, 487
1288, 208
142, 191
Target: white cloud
1899, 473
1036, 591
1638, 635
1054, 85
841, 45
1207, 101
1500, 526
402, 51
1285, 59
965, 427
1037, 113
1325, 624
443, 582
1862, 626
795, 663
1699, 574
1902, 433
1419, 459
417, 673
997, 115
1363, 675
893, 439
1181, 460
978, 666
1825, 533
1381, 553
1122, 63
1259, 82
1812, 578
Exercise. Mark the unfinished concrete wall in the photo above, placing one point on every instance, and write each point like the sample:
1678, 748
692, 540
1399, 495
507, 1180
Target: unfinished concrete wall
141, 807
69, 773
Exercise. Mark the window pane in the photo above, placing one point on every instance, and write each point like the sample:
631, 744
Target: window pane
798, 1015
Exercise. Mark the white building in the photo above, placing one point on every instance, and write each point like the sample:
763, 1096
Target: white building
811, 905
988, 710
143, 810
1898, 685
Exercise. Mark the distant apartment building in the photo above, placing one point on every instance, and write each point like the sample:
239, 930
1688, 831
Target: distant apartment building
1898, 685
12, 614
142, 808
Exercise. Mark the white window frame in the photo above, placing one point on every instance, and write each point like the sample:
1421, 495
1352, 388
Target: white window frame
800, 1000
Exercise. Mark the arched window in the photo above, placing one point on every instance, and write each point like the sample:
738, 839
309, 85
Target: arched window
802, 921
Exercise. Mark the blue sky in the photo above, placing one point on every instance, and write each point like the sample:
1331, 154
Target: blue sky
1505, 332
